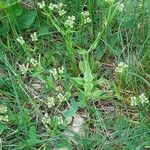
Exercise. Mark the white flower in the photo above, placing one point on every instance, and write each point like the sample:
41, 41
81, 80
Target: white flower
61, 12
120, 6
21, 40
23, 68
58, 119
46, 119
54, 73
121, 67
3, 109
4, 118
33, 62
50, 102
133, 101
87, 20
70, 21
52, 6
34, 36
86, 17
61, 97
61, 70
85, 13
41, 5
143, 99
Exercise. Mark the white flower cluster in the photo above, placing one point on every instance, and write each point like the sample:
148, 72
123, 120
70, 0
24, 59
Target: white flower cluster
142, 99
56, 72
46, 119
20, 40
3, 116
61, 97
41, 4
33, 62
70, 21
50, 102
58, 119
59, 7
86, 17
34, 36
3, 109
120, 6
121, 67
23, 68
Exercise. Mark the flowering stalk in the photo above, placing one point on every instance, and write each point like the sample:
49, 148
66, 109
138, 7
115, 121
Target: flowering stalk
70, 49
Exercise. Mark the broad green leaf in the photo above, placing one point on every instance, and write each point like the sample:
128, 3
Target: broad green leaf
71, 112
2, 127
26, 19
87, 74
43, 31
32, 133
7, 3
88, 87
81, 66
15, 10
78, 80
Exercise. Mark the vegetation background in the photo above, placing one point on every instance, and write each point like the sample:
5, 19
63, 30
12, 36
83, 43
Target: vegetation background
80, 82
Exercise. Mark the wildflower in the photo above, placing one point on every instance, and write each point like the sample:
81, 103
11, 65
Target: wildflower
4, 118
54, 73
59, 6
3, 109
61, 70
120, 6
143, 99
61, 12
133, 101
46, 119
41, 5
52, 6
86, 18
50, 102
61, 97
23, 68
34, 36
33, 62
21, 40
85, 13
58, 119
121, 67
70, 21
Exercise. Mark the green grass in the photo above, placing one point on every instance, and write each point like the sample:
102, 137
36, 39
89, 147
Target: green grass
63, 90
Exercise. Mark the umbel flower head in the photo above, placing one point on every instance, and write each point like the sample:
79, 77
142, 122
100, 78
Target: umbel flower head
21, 40
86, 17
70, 21
3, 109
142, 99
58, 7
34, 36
121, 67
120, 6
41, 4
